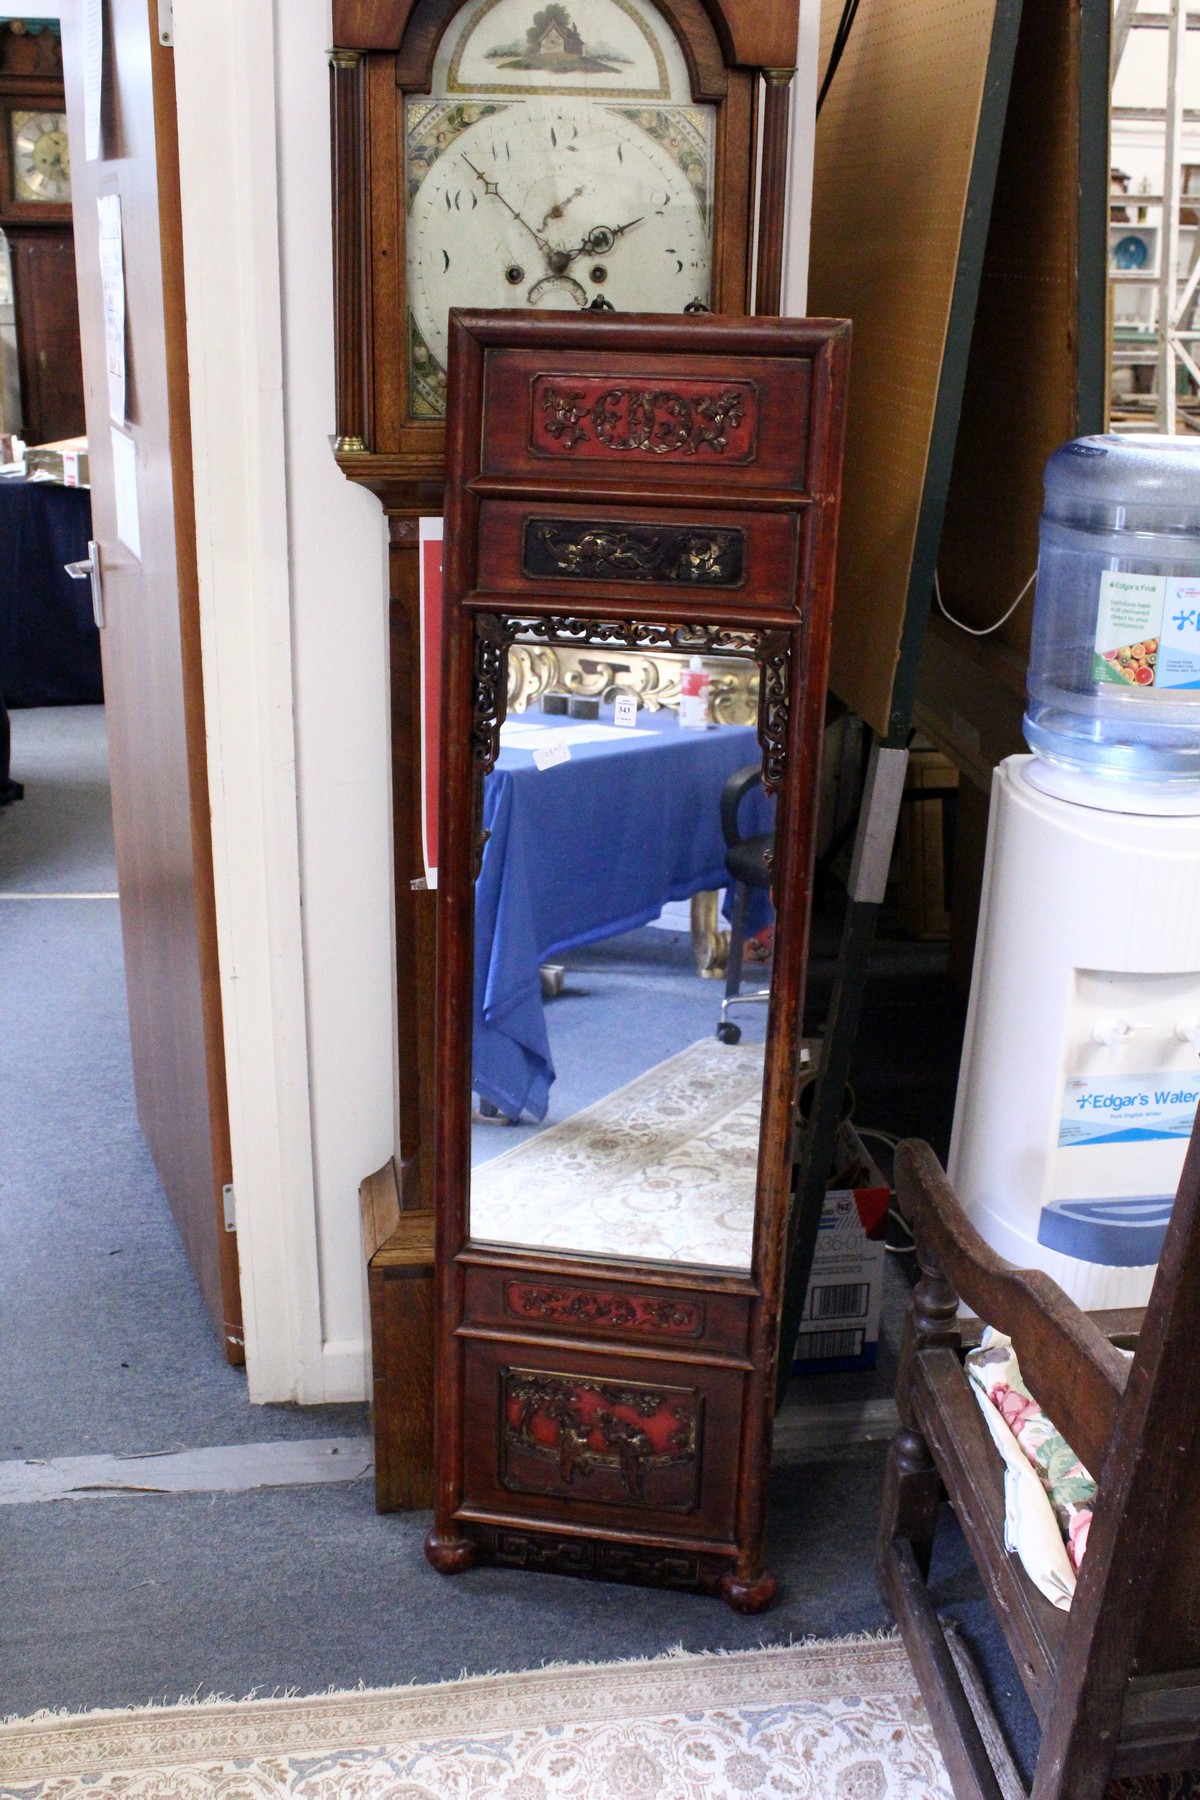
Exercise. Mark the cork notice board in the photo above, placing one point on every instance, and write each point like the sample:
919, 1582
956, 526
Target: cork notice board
908, 144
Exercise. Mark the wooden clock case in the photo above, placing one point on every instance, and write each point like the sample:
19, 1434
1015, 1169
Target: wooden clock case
740, 55
610, 1416
41, 248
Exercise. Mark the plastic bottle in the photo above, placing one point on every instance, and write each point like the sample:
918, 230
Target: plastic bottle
1114, 667
693, 696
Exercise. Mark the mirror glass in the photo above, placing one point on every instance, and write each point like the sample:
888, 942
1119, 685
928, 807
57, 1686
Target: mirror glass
623, 945
10, 380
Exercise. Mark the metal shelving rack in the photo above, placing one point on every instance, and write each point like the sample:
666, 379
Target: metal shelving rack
1171, 340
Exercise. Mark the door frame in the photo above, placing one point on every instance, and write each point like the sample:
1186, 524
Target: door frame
229, 200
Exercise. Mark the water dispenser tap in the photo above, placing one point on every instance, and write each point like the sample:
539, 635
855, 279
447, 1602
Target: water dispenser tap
1116, 1032
1188, 1032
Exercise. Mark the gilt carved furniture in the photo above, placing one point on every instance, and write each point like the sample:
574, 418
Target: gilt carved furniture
695, 101
635, 483
1114, 1681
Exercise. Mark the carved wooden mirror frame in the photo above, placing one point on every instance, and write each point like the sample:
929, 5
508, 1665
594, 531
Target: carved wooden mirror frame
521, 1328
741, 56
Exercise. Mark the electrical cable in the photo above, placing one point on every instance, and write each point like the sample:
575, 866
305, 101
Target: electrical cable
895, 1216
840, 40
986, 630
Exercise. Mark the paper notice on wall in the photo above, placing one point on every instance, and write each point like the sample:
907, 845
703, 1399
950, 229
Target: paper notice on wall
125, 491
431, 690
112, 278
93, 76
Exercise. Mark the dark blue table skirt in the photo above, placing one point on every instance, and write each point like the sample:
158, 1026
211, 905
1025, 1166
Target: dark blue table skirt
49, 645
585, 850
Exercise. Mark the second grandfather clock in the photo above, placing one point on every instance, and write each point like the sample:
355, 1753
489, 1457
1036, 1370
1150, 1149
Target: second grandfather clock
592, 154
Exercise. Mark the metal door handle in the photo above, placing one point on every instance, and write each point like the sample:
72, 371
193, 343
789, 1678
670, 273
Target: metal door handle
90, 571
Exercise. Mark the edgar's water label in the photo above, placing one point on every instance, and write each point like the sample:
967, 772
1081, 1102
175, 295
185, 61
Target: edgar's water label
1127, 1109
1148, 632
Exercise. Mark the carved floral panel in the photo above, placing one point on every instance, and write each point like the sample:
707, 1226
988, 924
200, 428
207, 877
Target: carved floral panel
585, 418
623, 1443
634, 1313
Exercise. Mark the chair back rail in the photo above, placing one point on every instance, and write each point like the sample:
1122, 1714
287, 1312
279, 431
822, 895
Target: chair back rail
1126, 1696
1137, 1606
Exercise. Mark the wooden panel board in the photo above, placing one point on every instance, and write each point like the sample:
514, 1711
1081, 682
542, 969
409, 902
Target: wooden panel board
907, 145
150, 643
1022, 396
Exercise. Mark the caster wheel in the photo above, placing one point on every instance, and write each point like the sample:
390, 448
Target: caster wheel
728, 1032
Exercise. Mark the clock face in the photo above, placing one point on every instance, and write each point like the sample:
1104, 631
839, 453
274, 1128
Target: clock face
574, 176
41, 158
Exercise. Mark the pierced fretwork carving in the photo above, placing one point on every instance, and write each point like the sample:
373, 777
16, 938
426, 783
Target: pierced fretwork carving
635, 634
623, 1442
774, 660
489, 704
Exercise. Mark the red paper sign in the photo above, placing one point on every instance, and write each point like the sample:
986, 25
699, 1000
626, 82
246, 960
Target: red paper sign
431, 690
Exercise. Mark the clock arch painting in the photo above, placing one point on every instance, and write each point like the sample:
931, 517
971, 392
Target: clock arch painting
557, 162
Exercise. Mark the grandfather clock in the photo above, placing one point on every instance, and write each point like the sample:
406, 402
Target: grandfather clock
35, 217
611, 155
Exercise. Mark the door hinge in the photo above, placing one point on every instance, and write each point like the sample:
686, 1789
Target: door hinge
230, 1207
166, 25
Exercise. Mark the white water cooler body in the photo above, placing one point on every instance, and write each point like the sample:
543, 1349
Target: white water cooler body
1081, 1067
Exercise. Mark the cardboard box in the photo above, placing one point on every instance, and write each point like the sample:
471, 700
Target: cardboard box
65, 462
840, 1324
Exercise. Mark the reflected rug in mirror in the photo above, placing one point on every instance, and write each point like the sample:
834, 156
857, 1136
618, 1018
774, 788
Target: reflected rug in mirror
662, 1170
841, 1720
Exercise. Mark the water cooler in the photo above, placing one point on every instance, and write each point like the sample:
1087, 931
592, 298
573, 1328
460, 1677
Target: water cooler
1081, 1067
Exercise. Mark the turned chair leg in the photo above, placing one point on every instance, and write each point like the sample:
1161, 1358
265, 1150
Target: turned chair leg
912, 1492
912, 1488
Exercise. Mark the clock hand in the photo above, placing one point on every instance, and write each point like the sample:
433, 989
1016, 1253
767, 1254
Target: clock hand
601, 238
556, 211
492, 188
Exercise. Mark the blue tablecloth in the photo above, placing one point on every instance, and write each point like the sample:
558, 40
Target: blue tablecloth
583, 850
49, 645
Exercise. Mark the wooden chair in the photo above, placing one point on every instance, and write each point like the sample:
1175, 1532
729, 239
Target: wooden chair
1115, 1682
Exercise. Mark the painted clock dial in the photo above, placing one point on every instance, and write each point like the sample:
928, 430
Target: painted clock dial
558, 163
41, 157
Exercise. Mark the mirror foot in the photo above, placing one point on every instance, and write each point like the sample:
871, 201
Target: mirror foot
749, 1596
449, 1556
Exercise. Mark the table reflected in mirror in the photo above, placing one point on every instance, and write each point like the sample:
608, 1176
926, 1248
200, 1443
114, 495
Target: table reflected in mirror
618, 1060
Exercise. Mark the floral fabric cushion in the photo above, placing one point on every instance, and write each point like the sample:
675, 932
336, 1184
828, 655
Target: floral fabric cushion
1048, 1492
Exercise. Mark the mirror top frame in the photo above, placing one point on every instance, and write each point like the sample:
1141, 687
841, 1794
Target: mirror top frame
727, 431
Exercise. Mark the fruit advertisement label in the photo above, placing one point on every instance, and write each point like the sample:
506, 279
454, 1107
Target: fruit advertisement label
1148, 632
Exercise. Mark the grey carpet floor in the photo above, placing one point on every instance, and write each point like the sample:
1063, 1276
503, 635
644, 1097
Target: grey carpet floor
104, 1346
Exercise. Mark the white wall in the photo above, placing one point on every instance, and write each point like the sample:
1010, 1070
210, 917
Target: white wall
294, 626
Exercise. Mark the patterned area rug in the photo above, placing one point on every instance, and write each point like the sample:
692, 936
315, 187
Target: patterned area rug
834, 1721
663, 1168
